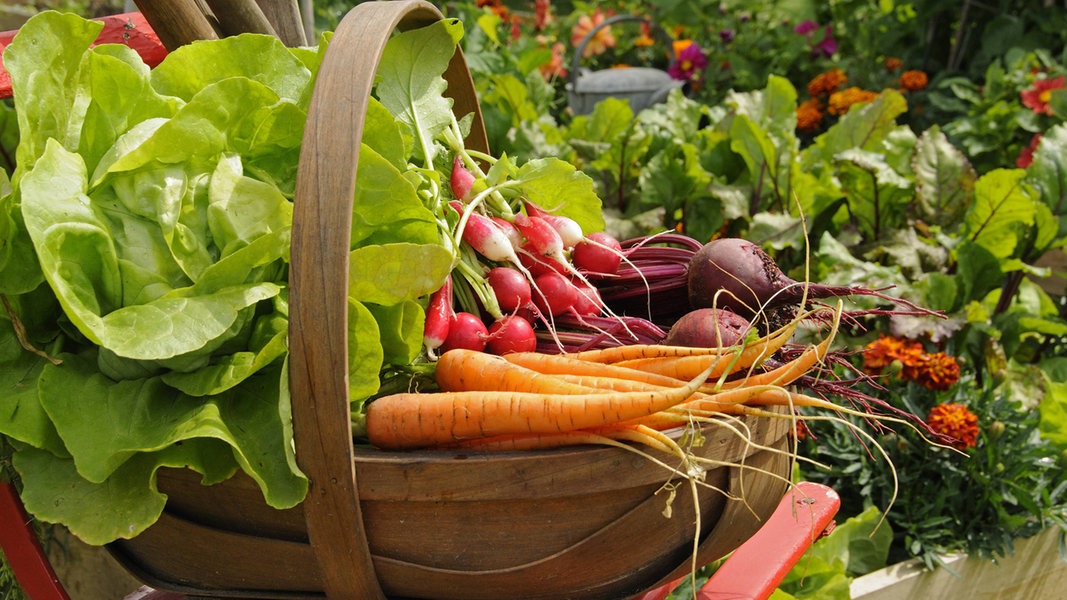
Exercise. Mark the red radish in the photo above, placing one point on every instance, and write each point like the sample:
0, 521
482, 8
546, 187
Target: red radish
510, 230
467, 331
511, 334
538, 264
542, 238
553, 294
708, 328
439, 315
486, 237
598, 253
587, 301
738, 275
570, 232
511, 288
461, 180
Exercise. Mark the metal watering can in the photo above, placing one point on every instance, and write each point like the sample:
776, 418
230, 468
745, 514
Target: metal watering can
641, 86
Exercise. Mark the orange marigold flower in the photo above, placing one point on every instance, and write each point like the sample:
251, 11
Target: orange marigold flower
913, 81
892, 64
809, 115
496, 6
601, 40
841, 102
955, 421
938, 371
886, 350
1038, 97
554, 67
827, 83
645, 40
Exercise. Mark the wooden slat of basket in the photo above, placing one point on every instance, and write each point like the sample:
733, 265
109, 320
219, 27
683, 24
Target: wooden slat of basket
284, 16
319, 282
177, 22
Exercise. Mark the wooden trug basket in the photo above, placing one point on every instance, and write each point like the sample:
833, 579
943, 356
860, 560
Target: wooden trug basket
571, 523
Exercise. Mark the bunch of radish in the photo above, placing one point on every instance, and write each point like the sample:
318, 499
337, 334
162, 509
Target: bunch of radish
525, 279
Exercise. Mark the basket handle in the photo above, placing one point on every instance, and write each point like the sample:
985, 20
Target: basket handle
318, 352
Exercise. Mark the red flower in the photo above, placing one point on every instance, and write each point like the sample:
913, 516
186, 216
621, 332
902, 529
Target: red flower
1038, 97
955, 421
1026, 155
542, 14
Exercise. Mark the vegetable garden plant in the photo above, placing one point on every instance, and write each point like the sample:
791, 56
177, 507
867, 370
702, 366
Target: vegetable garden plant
175, 329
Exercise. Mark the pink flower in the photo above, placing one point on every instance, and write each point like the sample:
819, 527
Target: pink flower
600, 42
689, 62
805, 27
827, 46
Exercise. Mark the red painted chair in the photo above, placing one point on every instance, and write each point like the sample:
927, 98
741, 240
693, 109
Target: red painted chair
752, 572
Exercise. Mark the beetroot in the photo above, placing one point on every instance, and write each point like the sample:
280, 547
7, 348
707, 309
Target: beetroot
708, 328
738, 275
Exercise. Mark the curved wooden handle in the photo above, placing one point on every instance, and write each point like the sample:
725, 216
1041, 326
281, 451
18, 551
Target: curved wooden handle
318, 326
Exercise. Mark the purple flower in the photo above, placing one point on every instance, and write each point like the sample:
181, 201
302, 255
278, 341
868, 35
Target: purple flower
805, 27
827, 46
726, 35
689, 64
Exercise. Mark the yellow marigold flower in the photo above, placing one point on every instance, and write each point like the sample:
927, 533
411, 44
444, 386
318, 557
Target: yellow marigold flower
809, 115
955, 421
841, 102
886, 350
892, 64
827, 83
913, 81
938, 371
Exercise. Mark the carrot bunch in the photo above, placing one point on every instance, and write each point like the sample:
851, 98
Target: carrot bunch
526, 400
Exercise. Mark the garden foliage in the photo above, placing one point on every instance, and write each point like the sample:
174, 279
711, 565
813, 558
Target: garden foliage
854, 150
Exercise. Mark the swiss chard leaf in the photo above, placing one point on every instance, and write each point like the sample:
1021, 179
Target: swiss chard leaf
1001, 212
1048, 175
410, 82
944, 180
557, 186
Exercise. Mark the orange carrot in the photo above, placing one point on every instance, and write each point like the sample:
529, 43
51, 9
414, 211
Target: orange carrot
563, 364
461, 370
413, 420
764, 346
787, 373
